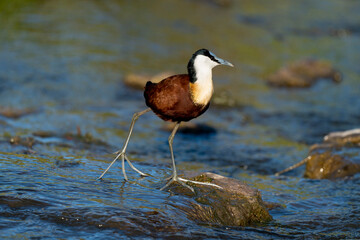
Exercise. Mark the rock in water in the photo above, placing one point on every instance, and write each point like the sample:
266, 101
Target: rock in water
236, 204
336, 157
328, 165
344, 138
303, 74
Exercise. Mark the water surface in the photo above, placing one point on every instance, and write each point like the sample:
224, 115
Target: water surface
67, 59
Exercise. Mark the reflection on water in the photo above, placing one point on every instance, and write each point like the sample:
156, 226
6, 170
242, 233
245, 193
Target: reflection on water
67, 62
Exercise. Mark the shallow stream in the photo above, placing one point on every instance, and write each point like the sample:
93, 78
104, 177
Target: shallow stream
64, 61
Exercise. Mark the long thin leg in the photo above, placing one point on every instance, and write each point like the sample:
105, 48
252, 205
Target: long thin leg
174, 177
171, 139
121, 153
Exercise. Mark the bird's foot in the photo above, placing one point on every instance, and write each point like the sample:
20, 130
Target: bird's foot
183, 182
123, 156
175, 178
137, 170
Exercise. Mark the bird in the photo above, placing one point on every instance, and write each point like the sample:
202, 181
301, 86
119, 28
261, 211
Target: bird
178, 98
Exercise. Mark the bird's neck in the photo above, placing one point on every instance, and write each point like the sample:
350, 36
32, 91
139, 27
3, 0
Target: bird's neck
202, 88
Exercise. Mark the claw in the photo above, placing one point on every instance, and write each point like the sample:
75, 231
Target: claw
176, 179
123, 156
137, 170
183, 182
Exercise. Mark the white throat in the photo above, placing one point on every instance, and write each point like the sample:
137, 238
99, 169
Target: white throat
203, 86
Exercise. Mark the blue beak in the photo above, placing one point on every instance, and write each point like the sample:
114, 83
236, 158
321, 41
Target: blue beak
224, 62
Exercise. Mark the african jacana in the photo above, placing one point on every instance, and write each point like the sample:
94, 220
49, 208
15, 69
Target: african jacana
178, 98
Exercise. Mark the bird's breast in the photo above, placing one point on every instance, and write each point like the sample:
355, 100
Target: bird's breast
201, 91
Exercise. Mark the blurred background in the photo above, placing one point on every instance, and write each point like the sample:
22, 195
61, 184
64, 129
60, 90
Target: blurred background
64, 108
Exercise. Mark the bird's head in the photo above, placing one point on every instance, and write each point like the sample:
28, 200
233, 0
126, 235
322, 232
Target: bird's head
204, 61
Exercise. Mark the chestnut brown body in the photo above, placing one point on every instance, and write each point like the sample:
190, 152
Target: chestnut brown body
172, 99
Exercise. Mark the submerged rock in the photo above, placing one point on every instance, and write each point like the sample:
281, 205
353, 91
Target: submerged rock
303, 74
19, 202
236, 204
138, 81
337, 157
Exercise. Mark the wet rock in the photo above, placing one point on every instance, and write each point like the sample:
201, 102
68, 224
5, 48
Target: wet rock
16, 113
337, 157
236, 204
191, 128
329, 165
138, 81
303, 74
351, 137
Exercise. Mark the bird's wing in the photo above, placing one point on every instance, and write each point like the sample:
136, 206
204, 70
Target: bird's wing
168, 95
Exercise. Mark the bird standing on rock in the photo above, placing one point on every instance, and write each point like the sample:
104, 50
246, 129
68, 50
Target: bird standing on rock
178, 98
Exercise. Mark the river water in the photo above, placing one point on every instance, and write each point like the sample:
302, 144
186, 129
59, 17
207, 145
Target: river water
65, 61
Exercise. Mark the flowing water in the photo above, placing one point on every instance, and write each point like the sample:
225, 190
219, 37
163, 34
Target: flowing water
64, 61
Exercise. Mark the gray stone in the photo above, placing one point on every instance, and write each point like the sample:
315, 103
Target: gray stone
236, 204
